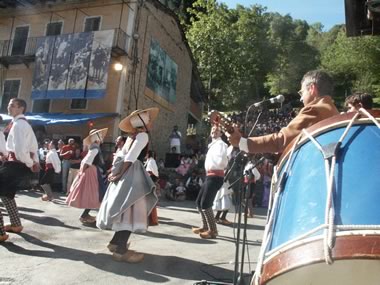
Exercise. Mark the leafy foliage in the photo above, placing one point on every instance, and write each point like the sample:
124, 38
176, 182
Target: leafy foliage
246, 54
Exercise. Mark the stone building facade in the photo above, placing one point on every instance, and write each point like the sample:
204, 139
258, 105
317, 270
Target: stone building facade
139, 29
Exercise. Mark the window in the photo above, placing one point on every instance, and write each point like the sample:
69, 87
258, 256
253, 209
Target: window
19, 41
92, 24
11, 88
41, 106
78, 104
54, 29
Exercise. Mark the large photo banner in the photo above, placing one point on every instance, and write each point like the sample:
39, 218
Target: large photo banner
72, 66
44, 56
100, 60
79, 65
59, 68
162, 73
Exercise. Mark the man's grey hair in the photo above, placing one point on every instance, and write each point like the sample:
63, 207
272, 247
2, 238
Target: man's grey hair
322, 81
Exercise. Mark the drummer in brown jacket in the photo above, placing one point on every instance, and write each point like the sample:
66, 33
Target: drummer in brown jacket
316, 88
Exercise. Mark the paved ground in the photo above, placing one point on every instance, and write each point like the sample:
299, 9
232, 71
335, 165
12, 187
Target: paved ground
55, 248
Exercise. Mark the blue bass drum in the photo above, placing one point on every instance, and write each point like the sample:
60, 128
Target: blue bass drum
324, 223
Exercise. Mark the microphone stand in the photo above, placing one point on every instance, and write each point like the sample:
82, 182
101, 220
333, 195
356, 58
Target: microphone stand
245, 194
238, 275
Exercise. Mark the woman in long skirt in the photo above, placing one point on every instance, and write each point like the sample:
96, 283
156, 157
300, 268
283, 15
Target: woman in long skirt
88, 188
130, 196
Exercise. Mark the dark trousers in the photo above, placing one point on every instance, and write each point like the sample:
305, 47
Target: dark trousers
221, 215
120, 239
14, 176
208, 192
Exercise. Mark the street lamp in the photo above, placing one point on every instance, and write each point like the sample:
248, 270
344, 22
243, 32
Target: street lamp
118, 66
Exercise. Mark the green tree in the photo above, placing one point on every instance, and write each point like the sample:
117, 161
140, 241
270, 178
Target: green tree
212, 44
231, 48
354, 62
294, 55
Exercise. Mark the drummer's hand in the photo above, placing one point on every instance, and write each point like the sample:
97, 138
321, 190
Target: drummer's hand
234, 137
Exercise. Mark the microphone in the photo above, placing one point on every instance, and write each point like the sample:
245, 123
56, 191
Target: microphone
278, 99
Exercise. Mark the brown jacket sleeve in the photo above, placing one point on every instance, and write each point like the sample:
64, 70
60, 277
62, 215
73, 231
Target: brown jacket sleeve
318, 110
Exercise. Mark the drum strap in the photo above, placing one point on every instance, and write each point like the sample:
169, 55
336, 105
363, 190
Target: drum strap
330, 153
365, 112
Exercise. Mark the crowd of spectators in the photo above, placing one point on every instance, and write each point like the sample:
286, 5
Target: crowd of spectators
184, 181
270, 121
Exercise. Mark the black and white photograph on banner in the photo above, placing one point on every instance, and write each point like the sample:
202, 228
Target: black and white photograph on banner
162, 73
60, 65
79, 64
100, 59
44, 53
72, 65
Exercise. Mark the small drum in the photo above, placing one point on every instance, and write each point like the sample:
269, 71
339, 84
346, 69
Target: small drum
324, 223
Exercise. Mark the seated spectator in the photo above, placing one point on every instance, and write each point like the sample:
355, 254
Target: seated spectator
184, 166
193, 162
175, 191
162, 183
180, 191
169, 193
161, 164
193, 185
188, 150
201, 159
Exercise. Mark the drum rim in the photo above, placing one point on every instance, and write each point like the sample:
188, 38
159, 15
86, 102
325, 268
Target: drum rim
347, 247
323, 127
270, 254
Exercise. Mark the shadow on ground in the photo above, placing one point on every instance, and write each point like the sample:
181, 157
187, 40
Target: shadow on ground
154, 268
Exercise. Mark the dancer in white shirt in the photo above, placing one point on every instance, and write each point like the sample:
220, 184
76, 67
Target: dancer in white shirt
152, 168
22, 148
130, 196
3, 149
52, 165
215, 164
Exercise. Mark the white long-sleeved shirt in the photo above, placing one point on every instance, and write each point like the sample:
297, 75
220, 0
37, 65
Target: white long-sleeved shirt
151, 165
22, 141
90, 156
216, 157
52, 157
133, 152
3, 148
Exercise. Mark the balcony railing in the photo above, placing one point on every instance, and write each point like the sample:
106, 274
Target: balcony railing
16, 52
17, 48
120, 44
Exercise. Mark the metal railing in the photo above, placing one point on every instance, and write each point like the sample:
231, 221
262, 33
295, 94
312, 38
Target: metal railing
29, 47
121, 40
17, 48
